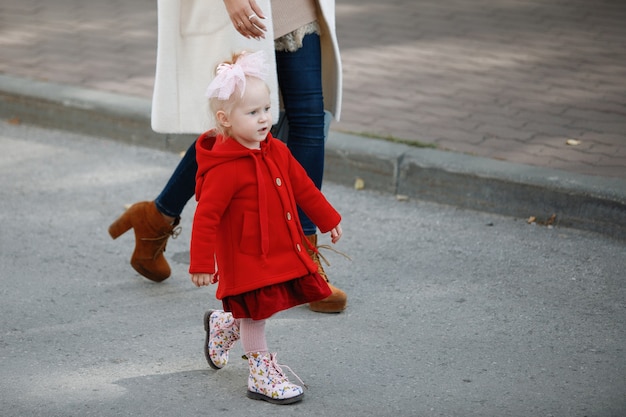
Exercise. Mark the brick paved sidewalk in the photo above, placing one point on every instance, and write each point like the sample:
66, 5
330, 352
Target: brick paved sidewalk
506, 79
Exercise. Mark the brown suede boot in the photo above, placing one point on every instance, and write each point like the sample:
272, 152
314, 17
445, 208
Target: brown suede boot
151, 234
337, 301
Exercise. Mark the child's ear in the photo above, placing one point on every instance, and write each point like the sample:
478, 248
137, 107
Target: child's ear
222, 118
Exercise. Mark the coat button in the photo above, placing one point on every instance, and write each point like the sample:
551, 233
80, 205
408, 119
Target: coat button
288, 216
298, 247
279, 182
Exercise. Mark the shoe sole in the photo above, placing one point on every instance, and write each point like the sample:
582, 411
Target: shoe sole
285, 401
328, 308
207, 328
148, 274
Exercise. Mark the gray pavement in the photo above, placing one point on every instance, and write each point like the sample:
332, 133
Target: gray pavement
451, 312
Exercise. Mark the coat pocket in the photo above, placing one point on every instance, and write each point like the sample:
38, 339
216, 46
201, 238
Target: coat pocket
250, 242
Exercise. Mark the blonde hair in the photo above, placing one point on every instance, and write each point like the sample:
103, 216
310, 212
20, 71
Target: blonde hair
216, 105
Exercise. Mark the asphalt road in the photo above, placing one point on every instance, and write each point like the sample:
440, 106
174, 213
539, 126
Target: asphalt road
451, 312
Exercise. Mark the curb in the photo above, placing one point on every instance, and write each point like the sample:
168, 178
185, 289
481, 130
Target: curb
583, 202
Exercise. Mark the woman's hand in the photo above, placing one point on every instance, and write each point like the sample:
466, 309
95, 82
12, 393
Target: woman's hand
247, 18
201, 280
335, 233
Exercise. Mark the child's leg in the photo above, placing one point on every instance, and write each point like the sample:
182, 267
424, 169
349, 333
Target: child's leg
266, 380
222, 331
253, 335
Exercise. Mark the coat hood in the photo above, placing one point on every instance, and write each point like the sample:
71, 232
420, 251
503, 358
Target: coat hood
213, 149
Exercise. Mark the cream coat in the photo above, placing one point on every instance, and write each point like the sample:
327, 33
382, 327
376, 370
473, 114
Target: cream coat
194, 36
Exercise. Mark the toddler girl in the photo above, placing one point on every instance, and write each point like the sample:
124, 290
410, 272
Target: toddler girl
248, 188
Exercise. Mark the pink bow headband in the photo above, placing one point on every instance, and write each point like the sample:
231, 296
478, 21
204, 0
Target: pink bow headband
231, 76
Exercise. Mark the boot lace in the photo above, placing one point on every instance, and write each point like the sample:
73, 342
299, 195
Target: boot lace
276, 368
161, 248
328, 247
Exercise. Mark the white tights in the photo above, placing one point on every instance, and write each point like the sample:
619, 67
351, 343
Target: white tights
253, 335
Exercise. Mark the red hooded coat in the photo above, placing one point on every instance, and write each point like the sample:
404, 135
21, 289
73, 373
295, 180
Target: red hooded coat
246, 222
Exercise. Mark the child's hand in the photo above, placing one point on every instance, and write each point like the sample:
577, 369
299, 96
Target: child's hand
335, 233
201, 280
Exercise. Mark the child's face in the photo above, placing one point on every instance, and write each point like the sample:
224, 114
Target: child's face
250, 120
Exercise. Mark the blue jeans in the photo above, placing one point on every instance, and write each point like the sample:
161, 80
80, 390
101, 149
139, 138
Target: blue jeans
300, 82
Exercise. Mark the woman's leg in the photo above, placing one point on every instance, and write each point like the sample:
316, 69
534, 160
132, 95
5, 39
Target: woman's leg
153, 222
300, 80
180, 187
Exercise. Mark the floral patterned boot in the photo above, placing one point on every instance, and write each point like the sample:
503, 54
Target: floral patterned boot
222, 331
268, 382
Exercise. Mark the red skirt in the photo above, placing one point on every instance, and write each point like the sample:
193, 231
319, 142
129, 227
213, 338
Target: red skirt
264, 302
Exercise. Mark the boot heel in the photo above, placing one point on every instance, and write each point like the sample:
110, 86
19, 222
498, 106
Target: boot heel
120, 226
152, 231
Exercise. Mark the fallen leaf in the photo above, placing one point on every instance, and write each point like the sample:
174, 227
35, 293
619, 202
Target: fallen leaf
549, 222
402, 197
14, 121
359, 184
573, 142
